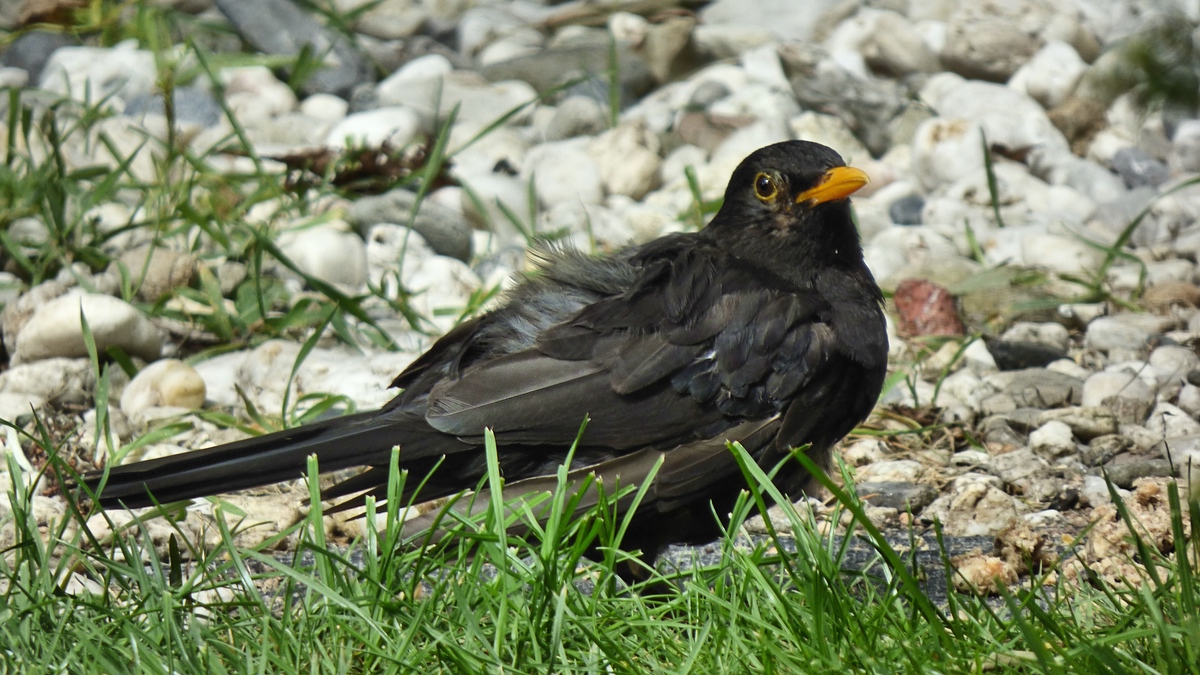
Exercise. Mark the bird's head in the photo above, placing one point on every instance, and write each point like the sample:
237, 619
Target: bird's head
795, 190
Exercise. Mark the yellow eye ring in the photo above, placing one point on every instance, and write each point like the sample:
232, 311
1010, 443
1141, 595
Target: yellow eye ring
764, 187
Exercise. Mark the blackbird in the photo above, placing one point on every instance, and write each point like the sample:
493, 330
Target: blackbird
765, 327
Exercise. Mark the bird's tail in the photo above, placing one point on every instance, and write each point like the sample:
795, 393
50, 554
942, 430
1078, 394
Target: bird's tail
340, 443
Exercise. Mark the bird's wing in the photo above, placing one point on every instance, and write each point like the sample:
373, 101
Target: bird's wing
680, 473
698, 345
443, 355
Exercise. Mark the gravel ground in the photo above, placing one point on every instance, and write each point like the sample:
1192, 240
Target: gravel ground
1039, 342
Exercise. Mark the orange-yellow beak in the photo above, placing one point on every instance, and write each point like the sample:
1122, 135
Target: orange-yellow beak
840, 182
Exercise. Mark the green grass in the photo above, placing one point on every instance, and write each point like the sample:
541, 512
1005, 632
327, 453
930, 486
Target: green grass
486, 601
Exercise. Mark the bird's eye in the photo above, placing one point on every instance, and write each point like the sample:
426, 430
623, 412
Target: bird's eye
764, 187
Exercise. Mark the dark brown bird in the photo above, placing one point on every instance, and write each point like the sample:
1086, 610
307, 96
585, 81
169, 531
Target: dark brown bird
765, 327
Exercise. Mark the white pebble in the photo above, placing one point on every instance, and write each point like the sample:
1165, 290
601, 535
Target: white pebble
56, 330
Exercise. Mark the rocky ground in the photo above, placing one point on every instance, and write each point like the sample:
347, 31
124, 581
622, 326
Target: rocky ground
1031, 212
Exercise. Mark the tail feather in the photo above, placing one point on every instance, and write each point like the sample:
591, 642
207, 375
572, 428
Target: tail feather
345, 442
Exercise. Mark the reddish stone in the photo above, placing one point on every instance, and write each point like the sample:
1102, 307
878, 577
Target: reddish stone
925, 308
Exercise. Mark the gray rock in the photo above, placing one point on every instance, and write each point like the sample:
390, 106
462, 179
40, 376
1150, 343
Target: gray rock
598, 89
1185, 147
394, 126
866, 105
759, 100
1014, 355
564, 173
1094, 491
1122, 206
577, 116
391, 19
888, 42
1171, 270
944, 149
58, 380
1143, 440
264, 373
1050, 334
1010, 118
1017, 467
1184, 455
907, 210
191, 104
1090, 179
280, 27
786, 19
897, 248
10, 288
329, 254
1172, 363
1123, 470
297, 130
998, 404
1122, 392
628, 159
255, 95
1034, 479
1051, 74
892, 471
976, 505
1137, 168
1168, 421
991, 41
607, 229
167, 383
440, 286
828, 130
17, 313
1125, 331
969, 459
521, 43
117, 74
13, 78
865, 451
432, 88
1085, 422
900, 495
29, 233
1101, 449
32, 50
1188, 399
154, 272
707, 93
494, 189
230, 274
668, 47
1079, 314
447, 232
1040, 388
55, 329
479, 26
557, 65
987, 47
725, 41
324, 107
1026, 419
364, 97
1065, 255
997, 430
19, 407
966, 387
1053, 439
